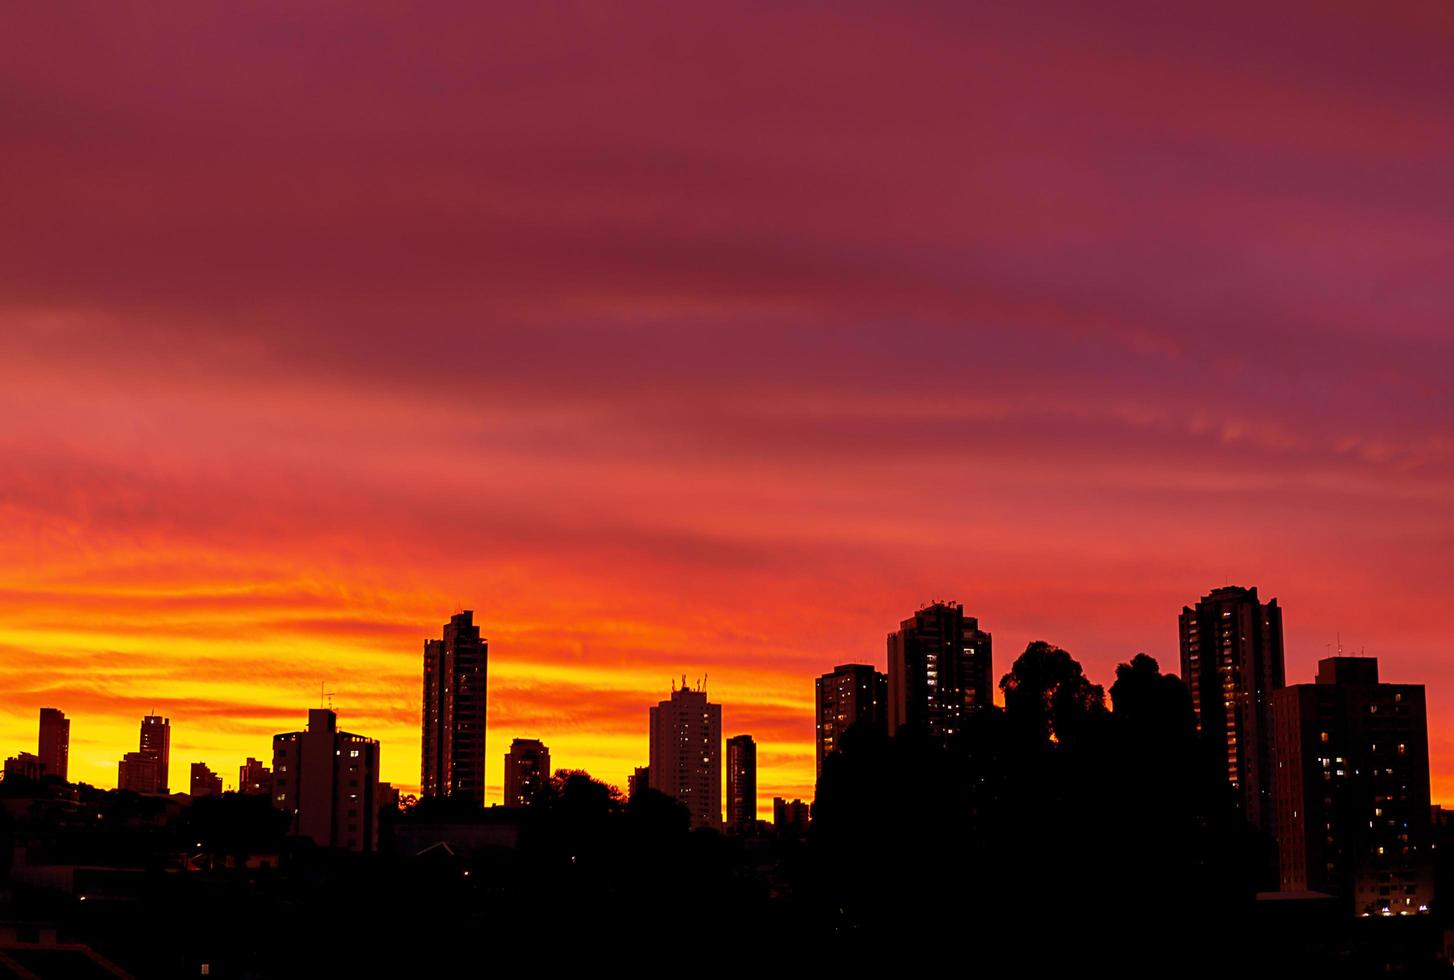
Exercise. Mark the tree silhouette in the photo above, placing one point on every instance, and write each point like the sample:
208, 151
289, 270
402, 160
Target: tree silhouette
1048, 698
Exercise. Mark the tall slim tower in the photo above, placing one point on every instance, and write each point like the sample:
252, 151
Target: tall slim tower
741, 782
1231, 659
453, 737
851, 694
156, 743
940, 670
54, 747
686, 753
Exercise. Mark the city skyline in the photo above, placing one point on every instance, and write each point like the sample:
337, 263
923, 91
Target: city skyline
765, 794
694, 270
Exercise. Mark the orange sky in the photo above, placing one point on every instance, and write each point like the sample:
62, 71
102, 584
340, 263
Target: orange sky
707, 341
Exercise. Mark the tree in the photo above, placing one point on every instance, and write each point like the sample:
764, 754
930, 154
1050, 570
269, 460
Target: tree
1048, 698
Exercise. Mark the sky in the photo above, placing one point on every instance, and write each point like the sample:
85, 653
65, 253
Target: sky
708, 340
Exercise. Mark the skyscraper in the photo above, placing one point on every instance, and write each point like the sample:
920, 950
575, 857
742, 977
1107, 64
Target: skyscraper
741, 782
328, 782
1231, 660
940, 670
527, 770
851, 694
205, 782
453, 742
146, 770
1352, 789
156, 742
686, 753
54, 746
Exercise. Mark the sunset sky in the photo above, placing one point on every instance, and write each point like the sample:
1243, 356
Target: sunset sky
709, 340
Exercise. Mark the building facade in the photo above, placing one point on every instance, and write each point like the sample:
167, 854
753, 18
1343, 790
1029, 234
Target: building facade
741, 783
791, 817
205, 782
851, 694
1352, 789
54, 743
686, 753
139, 772
146, 770
527, 771
1231, 660
452, 746
24, 766
327, 781
254, 778
940, 670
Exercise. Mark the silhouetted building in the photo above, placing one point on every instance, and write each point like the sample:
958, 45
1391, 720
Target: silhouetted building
686, 753
205, 782
24, 766
328, 781
639, 780
527, 771
54, 746
940, 670
1352, 793
791, 816
1231, 660
254, 778
453, 743
139, 772
850, 695
741, 782
146, 770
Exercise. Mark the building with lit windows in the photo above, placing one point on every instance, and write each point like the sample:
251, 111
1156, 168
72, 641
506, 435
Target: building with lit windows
527, 771
254, 778
452, 743
327, 781
205, 782
940, 671
686, 753
741, 783
1352, 789
1231, 661
851, 694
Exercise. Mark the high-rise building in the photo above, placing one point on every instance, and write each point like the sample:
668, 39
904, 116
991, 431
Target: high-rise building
852, 694
527, 771
1231, 660
24, 766
453, 743
205, 782
254, 778
686, 753
741, 782
940, 670
328, 782
791, 816
54, 746
639, 780
139, 772
146, 770
1352, 788
156, 741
